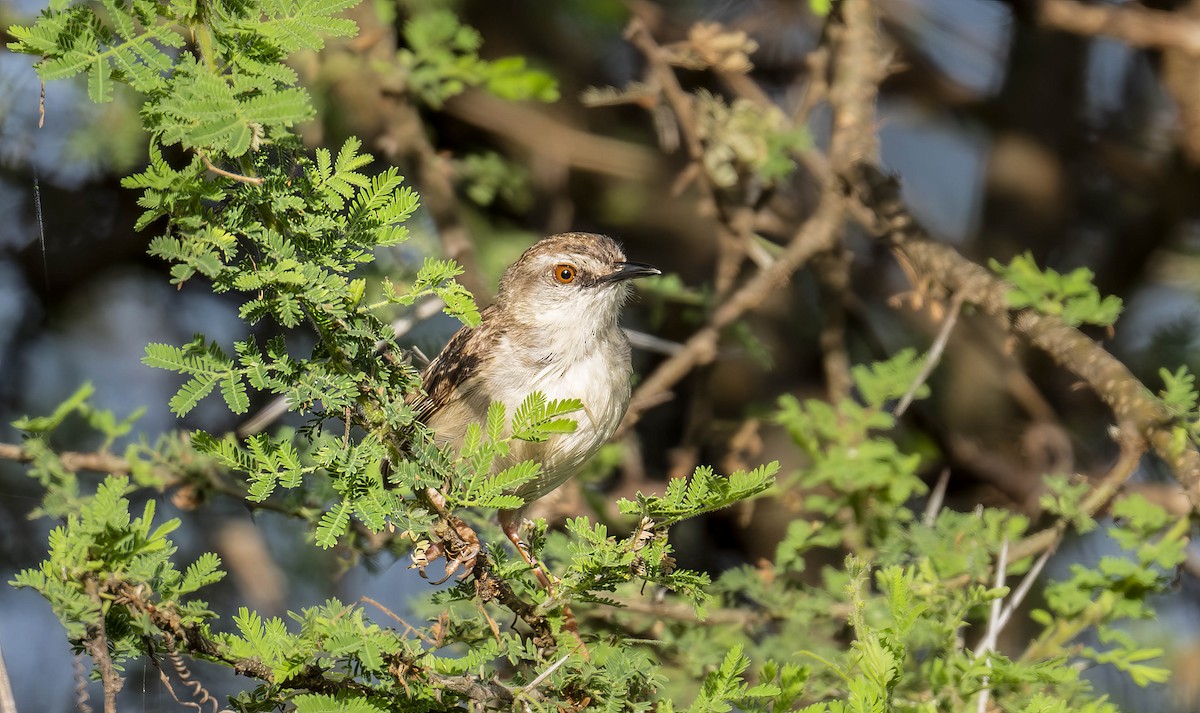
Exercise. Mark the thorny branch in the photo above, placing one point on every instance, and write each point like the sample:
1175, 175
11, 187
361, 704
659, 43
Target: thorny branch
852, 93
733, 236
172, 474
1111, 380
195, 641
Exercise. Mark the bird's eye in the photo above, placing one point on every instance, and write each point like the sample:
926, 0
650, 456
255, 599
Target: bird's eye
564, 273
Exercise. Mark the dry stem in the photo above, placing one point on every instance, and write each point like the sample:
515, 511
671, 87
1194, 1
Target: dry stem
852, 93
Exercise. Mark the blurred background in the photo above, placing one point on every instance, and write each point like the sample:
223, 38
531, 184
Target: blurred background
1008, 136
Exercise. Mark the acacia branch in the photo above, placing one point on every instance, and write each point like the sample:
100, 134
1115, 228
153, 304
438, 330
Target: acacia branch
97, 647
178, 474
733, 230
853, 92
1131, 402
97, 461
1131, 23
1100, 496
194, 641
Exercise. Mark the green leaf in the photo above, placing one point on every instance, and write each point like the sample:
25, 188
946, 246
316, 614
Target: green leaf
44, 424
234, 392
536, 419
204, 571
884, 381
1072, 296
100, 85
303, 25
703, 493
442, 60
190, 394
333, 524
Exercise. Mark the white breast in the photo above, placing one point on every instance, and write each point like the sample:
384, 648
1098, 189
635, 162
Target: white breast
569, 349
599, 378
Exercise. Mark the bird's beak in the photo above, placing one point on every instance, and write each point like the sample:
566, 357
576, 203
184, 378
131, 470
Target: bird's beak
630, 270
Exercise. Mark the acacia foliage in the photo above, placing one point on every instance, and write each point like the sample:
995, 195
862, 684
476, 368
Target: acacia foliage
286, 230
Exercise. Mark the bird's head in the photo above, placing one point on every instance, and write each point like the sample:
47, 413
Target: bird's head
570, 280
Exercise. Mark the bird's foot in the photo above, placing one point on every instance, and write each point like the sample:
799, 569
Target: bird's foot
512, 529
511, 522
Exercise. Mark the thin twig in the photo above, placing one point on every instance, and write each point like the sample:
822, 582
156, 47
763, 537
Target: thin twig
252, 180
993, 630
543, 675
8, 702
166, 682
992, 635
936, 498
1022, 590
490, 621
934, 356
639, 35
407, 627
105, 462
73, 461
1131, 402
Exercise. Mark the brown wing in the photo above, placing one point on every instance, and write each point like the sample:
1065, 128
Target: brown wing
453, 368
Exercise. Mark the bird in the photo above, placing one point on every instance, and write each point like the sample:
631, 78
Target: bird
553, 328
